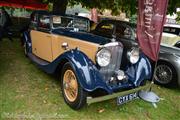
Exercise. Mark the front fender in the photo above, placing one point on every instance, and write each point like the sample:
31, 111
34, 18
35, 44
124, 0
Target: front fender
140, 71
86, 71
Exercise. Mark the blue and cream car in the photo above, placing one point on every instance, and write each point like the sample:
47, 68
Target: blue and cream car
85, 62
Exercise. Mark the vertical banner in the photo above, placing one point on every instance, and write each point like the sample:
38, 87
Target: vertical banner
151, 18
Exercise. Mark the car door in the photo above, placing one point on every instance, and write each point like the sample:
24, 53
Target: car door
42, 40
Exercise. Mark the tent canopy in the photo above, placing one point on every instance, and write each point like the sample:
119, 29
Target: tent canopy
28, 4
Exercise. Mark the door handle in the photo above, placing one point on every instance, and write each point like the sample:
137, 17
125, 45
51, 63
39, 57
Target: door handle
65, 45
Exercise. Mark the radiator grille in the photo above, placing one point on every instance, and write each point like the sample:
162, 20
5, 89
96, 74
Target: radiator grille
116, 52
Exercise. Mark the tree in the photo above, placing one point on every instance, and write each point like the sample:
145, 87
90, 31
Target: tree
59, 6
127, 6
172, 5
178, 17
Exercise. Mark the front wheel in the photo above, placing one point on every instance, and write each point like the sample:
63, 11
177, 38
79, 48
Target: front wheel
73, 93
165, 74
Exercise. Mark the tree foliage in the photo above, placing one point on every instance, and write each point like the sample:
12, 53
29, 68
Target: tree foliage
178, 17
172, 5
127, 6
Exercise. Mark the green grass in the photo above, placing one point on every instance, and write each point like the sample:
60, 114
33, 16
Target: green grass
28, 93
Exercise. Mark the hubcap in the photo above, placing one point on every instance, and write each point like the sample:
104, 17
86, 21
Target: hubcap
163, 74
70, 85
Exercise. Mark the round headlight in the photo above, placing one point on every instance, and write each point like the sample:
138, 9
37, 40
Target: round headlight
103, 57
133, 55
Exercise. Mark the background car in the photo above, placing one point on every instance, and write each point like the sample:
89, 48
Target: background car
167, 71
85, 62
171, 35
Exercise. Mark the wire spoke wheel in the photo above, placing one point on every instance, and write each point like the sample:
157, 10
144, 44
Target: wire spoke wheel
70, 85
164, 74
73, 93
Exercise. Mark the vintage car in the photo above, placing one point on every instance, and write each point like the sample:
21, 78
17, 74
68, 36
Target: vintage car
85, 62
171, 35
167, 71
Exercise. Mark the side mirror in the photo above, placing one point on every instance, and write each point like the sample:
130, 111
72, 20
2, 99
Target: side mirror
65, 45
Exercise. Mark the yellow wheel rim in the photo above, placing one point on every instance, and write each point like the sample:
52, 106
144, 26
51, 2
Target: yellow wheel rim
70, 85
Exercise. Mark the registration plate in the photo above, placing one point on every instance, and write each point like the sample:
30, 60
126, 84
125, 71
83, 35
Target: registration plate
126, 98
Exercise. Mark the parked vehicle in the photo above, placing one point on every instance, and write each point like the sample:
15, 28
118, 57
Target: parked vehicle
168, 67
171, 35
84, 61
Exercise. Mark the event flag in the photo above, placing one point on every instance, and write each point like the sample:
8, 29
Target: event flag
151, 18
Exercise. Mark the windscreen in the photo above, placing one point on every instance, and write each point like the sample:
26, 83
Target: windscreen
70, 22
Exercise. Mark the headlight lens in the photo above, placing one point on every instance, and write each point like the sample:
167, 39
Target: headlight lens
133, 55
103, 57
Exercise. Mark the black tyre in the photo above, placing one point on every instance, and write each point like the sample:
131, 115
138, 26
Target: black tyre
73, 93
165, 74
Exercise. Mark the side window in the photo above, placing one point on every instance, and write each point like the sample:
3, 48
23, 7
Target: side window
56, 21
166, 29
44, 23
62, 22
67, 22
123, 31
81, 24
172, 30
106, 29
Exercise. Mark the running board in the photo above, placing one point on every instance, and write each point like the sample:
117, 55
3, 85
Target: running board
37, 60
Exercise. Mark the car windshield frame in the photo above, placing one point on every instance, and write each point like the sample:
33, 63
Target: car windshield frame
68, 22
